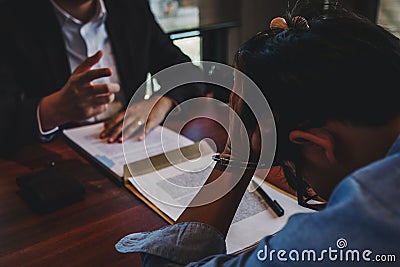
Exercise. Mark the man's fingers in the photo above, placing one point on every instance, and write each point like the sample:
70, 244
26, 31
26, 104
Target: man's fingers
115, 133
150, 125
115, 120
101, 89
91, 75
111, 123
106, 88
131, 129
98, 109
89, 62
101, 100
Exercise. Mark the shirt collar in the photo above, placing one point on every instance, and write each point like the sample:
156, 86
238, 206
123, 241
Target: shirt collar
63, 16
395, 147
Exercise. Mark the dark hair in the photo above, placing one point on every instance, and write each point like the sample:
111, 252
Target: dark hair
343, 67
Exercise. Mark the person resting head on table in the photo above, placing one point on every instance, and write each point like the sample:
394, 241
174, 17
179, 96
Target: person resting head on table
84, 62
329, 77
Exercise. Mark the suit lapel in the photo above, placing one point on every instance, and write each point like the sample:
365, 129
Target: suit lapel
43, 47
121, 32
53, 45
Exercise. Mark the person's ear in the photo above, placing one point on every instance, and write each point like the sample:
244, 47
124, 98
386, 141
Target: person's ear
318, 137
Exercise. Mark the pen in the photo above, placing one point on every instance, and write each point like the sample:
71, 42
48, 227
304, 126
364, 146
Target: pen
273, 204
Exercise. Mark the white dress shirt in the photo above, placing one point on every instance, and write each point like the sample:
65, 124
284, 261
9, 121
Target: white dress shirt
83, 40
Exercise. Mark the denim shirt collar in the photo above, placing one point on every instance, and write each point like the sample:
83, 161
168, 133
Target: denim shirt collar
395, 148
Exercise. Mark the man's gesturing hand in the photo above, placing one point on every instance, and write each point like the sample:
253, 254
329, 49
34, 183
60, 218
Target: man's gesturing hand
79, 99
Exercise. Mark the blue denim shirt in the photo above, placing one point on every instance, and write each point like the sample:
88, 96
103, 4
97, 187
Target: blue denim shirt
359, 227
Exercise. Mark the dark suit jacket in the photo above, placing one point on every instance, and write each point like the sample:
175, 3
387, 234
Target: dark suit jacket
33, 60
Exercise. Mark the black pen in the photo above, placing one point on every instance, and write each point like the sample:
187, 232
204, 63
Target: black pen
273, 204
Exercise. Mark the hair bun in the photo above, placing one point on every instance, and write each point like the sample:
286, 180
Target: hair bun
297, 22
300, 22
278, 23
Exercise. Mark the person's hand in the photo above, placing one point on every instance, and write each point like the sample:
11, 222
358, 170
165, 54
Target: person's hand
139, 119
244, 140
79, 99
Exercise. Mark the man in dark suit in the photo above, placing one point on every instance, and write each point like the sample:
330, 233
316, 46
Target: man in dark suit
70, 61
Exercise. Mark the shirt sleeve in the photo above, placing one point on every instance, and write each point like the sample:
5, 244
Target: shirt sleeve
45, 136
187, 244
181, 244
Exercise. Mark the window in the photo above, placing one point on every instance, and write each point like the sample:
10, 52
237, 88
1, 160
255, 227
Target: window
389, 15
180, 19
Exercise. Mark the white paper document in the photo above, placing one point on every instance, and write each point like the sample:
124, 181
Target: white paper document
159, 140
257, 225
172, 189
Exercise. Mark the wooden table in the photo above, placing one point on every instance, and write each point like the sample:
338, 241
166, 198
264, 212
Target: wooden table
84, 233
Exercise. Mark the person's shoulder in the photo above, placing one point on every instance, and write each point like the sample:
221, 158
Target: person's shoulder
8, 8
9, 15
133, 10
7, 4
135, 5
18, 7
373, 185
18, 12
386, 170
